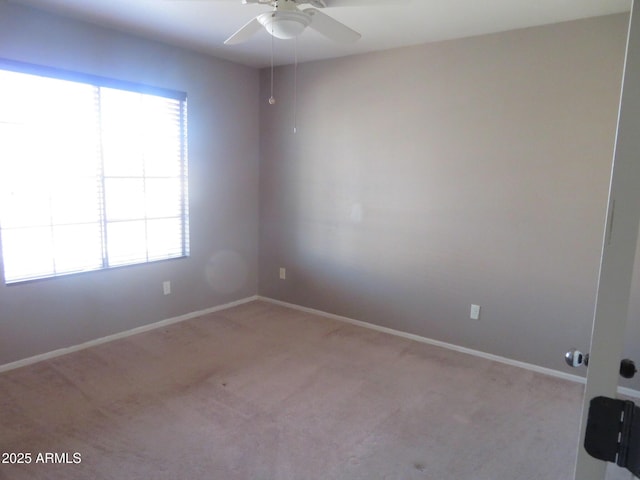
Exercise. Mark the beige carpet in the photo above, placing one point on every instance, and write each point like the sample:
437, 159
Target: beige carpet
263, 392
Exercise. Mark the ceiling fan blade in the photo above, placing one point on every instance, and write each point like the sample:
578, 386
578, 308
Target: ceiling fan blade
242, 35
331, 28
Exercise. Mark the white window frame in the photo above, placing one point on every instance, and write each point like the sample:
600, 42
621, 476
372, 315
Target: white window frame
161, 210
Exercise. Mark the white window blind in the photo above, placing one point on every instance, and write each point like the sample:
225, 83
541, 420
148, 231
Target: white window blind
92, 175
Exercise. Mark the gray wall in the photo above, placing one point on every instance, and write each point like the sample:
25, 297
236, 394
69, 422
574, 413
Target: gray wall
223, 161
424, 179
421, 180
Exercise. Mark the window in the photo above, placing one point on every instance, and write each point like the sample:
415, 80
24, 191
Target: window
93, 173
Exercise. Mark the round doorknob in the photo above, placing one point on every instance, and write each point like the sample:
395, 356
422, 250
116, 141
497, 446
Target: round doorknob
575, 358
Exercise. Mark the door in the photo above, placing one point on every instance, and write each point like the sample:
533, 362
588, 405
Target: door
618, 253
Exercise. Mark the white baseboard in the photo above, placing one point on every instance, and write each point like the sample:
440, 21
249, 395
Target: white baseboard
109, 338
488, 356
145, 328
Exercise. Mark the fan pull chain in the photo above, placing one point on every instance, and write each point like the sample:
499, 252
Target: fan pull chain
295, 87
272, 99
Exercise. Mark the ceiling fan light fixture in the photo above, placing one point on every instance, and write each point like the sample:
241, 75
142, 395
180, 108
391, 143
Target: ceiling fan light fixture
286, 24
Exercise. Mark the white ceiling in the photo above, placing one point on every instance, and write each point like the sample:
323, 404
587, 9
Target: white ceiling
203, 25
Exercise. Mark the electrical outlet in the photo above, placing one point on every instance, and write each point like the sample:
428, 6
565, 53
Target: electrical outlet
475, 312
283, 273
166, 287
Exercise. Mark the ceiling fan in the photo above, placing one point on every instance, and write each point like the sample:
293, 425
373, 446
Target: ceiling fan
287, 21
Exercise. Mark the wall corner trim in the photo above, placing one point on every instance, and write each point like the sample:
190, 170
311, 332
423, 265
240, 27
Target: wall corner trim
487, 356
127, 333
